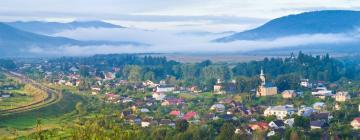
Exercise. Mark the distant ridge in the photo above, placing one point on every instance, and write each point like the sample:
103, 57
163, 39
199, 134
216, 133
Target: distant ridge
13, 40
318, 22
41, 27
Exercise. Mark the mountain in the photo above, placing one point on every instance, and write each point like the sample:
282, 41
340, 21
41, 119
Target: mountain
318, 22
13, 41
55, 27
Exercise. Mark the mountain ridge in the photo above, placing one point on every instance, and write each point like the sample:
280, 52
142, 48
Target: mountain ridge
316, 22
42, 27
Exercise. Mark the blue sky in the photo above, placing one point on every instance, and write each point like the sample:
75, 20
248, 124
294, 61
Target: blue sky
248, 13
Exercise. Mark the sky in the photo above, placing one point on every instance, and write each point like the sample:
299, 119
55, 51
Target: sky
173, 25
155, 14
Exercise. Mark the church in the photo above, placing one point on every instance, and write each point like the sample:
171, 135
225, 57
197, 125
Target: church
265, 88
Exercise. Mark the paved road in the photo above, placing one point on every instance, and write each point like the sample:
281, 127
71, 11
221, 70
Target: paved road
53, 96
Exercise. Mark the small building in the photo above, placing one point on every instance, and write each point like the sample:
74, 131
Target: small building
288, 94
158, 96
218, 89
305, 83
175, 113
305, 111
321, 90
261, 126
355, 123
218, 107
277, 124
190, 115
265, 88
279, 111
342, 96
318, 124
165, 88
149, 83
319, 106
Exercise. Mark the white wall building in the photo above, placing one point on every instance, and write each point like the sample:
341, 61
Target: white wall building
279, 111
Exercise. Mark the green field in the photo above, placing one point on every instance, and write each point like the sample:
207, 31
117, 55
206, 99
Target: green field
50, 116
18, 98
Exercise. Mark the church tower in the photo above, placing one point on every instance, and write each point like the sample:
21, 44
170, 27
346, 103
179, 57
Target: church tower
262, 78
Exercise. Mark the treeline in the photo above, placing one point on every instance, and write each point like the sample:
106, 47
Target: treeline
7, 64
285, 72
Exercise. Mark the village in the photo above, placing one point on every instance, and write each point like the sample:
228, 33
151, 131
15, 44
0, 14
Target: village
266, 109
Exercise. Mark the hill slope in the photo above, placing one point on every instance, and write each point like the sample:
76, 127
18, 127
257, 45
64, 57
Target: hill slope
13, 41
324, 22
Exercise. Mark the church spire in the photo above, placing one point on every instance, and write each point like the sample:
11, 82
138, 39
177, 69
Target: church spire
262, 77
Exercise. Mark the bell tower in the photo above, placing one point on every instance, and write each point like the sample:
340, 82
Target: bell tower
262, 77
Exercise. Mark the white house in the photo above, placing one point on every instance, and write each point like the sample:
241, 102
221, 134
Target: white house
158, 96
305, 83
355, 123
165, 88
321, 91
218, 107
150, 84
279, 111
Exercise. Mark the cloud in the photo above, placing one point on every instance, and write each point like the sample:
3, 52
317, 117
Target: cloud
186, 42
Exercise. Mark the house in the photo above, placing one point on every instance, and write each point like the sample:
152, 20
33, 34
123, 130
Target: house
125, 114
158, 96
144, 110
319, 124
95, 90
218, 89
325, 116
190, 115
279, 111
172, 101
337, 106
149, 84
166, 122
290, 122
277, 124
145, 123
355, 123
319, 106
226, 117
194, 89
111, 97
305, 83
5, 95
288, 94
342, 96
109, 76
218, 107
165, 88
321, 90
261, 126
305, 111
265, 88
175, 113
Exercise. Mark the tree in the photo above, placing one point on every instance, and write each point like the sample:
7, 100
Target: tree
181, 125
294, 135
84, 71
226, 132
80, 108
149, 76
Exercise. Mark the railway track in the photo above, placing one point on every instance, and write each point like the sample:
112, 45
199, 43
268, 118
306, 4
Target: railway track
53, 96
